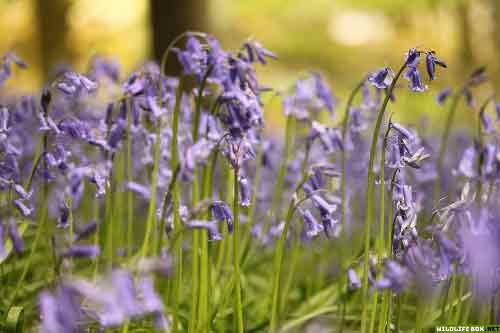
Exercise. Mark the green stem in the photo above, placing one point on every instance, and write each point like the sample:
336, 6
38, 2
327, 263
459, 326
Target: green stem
278, 258
370, 195
278, 191
345, 128
130, 178
147, 246
444, 144
238, 305
177, 282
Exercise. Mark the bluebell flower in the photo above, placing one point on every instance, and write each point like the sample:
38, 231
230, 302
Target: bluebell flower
82, 251
395, 277
86, 230
469, 98
221, 212
353, 280
22, 208
416, 84
151, 301
194, 58
412, 59
6, 70
477, 77
486, 122
256, 52
15, 237
443, 96
323, 92
102, 67
245, 191
497, 111
210, 226
123, 282
381, 79
431, 62
73, 83
60, 313
310, 228
199, 153
467, 164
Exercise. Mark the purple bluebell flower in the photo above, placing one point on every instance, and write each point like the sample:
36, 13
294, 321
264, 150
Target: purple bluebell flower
477, 77
199, 153
381, 79
22, 208
86, 230
45, 99
221, 212
210, 226
467, 164
60, 312
143, 190
497, 111
82, 251
395, 277
6, 70
443, 96
256, 52
74, 128
353, 280
324, 206
73, 83
486, 122
15, 237
102, 67
323, 92
117, 134
431, 62
151, 302
123, 283
469, 98
21, 192
416, 84
412, 58
310, 228
193, 59
245, 191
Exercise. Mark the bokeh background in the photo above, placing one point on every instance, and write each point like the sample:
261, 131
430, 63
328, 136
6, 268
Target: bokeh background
344, 39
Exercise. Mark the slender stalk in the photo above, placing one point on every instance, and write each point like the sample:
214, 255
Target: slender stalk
296, 245
177, 283
480, 142
203, 309
370, 195
278, 257
444, 144
280, 181
202, 235
345, 128
150, 222
381, 242
238, 305
130, 178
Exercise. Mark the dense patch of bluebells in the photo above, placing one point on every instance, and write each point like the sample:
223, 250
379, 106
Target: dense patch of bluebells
121, 201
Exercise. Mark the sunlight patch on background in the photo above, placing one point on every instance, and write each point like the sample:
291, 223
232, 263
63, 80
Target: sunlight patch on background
116, 28
355, 28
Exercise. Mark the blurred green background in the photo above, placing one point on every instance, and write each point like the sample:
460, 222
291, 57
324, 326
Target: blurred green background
344, 39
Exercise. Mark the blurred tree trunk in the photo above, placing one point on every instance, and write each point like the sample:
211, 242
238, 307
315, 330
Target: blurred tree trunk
170, 18
495, 6
53, 28
466, 50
